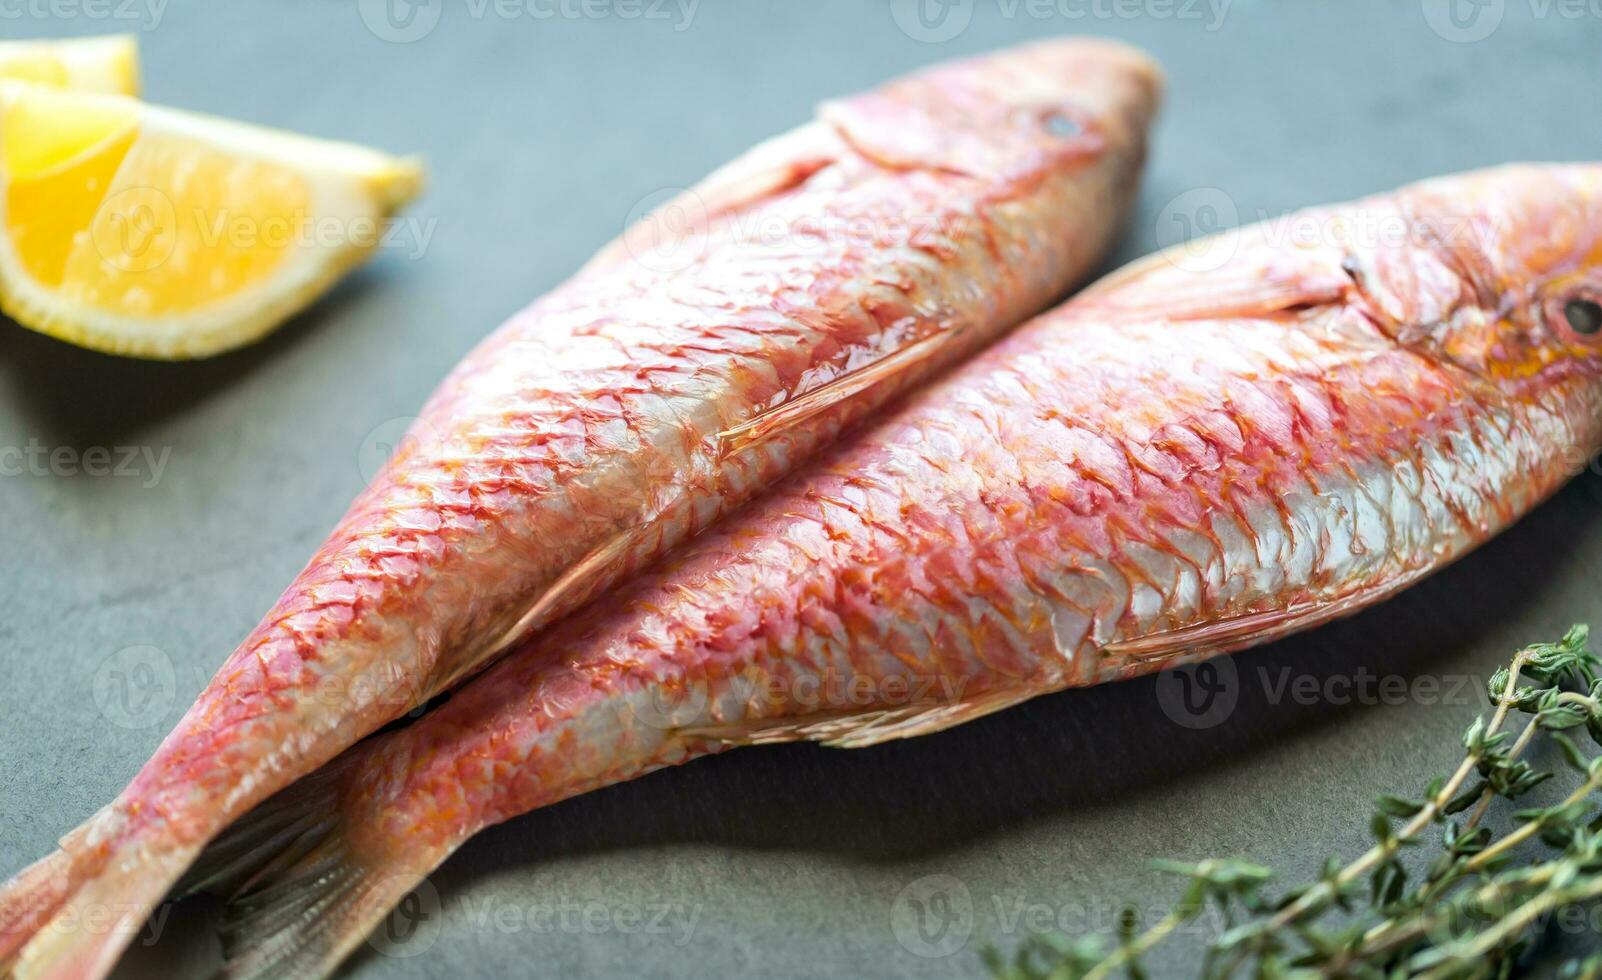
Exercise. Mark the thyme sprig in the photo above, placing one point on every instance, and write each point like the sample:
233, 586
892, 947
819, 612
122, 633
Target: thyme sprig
1473, 910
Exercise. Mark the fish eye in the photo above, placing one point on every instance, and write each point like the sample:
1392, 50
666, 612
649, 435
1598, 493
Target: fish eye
1062, 125
1584, 316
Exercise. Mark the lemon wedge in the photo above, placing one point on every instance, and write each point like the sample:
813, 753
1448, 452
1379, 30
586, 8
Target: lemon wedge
91, 64
149, 232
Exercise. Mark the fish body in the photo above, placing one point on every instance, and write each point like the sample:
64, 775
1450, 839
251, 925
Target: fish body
803, 286
1181, 462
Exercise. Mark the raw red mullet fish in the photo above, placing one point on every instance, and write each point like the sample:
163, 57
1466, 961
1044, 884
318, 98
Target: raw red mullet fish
804, 285
1211, 449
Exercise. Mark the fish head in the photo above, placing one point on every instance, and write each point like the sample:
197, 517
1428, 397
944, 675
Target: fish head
1016, 114
1497, 271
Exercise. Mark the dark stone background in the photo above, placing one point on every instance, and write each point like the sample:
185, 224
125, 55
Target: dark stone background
542, 134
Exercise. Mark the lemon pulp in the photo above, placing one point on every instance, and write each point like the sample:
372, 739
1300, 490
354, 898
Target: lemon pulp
156, 233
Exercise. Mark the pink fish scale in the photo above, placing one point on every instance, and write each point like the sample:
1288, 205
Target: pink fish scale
1041, 519
828, 271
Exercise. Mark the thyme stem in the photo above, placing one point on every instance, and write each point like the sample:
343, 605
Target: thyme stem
1472, 914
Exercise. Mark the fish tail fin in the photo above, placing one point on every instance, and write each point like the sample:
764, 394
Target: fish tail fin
29, 899
33, 896
71, 915
88, 904
300, 899
306, 919
274, 836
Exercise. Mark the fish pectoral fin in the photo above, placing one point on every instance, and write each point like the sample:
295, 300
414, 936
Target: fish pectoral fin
860, 729
571, 589
815, 401
1239, 632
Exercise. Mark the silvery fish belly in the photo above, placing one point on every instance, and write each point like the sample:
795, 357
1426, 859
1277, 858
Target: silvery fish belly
1210, 449
687, 366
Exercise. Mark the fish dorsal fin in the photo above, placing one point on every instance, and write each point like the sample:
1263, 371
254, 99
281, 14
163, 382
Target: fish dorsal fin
768, 169
860, 729
1224, 275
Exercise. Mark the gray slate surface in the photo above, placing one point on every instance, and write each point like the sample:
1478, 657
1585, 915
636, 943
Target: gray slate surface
543, 134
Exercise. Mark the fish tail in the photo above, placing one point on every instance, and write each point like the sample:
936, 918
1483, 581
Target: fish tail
29, 899
299, 897
273, 836
307, 918
37, 892
70, 915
